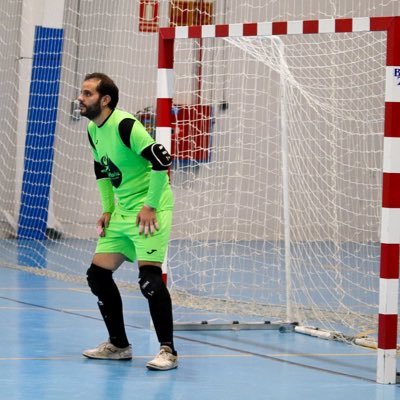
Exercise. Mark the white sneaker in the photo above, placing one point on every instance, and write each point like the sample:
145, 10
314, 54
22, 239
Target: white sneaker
107, 351
164, 360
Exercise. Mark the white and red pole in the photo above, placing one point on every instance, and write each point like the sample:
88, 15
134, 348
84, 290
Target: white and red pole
390, 224
165, 87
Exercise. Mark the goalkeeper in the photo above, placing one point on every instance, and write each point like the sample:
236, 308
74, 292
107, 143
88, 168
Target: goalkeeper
133, 169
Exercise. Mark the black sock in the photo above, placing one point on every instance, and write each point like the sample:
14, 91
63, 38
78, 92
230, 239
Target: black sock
161, 314
112, 314
160, 304
110, 305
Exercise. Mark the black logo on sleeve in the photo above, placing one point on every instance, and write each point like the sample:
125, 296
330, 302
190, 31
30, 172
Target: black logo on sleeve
112, 171
151, 251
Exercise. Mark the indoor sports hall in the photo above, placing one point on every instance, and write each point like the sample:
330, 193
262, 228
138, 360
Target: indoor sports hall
282, 120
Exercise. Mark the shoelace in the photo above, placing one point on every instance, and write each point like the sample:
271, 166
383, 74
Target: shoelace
164, 354
105, 346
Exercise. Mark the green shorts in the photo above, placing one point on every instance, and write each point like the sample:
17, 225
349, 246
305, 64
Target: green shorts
122, 236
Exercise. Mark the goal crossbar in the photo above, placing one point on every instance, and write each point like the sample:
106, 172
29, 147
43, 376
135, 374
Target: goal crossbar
390, 211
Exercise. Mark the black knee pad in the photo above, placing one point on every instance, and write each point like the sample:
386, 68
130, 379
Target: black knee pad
99, 280
151, 283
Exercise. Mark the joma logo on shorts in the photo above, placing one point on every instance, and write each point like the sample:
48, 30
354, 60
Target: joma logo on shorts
151, 251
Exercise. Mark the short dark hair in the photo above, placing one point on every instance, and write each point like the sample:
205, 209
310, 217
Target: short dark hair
105, 87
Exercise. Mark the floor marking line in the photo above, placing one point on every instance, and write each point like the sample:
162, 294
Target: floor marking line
214, 345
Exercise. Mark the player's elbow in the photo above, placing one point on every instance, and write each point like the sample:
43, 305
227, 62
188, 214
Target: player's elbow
158, 155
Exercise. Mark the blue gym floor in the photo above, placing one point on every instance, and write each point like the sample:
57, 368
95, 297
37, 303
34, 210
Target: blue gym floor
46, 324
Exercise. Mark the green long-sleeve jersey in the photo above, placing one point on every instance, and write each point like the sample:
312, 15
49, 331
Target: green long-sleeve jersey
117, 146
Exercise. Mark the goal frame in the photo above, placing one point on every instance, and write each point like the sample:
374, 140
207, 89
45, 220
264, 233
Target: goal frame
390, 212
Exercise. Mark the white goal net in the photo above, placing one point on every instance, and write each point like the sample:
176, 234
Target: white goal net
281, 218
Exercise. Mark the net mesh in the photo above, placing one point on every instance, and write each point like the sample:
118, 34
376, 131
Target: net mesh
283, 218
229, 250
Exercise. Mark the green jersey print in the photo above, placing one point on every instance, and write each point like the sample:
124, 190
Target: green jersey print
112, 171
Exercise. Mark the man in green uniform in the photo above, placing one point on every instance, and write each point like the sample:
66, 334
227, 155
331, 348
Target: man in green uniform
132, 176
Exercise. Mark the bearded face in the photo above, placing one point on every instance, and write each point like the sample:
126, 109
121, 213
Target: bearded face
90, 111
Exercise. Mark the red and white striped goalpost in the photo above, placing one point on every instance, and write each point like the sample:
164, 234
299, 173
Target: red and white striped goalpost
390, 221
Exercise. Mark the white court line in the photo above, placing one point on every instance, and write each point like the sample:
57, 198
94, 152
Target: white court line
198, 356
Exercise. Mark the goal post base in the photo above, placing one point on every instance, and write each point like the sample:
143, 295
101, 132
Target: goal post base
234, 326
